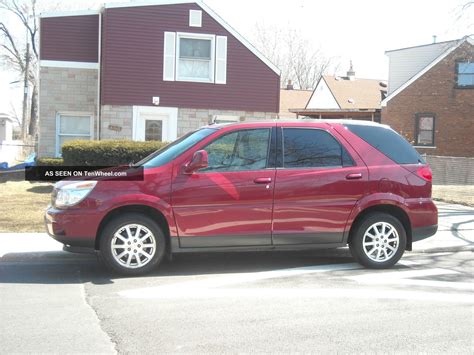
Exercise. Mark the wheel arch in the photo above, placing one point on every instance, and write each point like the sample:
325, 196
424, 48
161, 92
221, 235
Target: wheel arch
390, 209
151, 212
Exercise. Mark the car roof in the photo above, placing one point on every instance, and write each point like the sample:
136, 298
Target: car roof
300, 122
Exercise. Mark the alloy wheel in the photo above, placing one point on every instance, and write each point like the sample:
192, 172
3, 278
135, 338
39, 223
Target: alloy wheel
381, 241
133, 246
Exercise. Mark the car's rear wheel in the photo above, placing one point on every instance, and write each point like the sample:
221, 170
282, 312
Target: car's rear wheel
378, 241
132, 244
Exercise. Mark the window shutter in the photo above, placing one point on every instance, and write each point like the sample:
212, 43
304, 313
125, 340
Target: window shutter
169, 55
221, 60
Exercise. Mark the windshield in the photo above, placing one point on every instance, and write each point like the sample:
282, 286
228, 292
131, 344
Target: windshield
172, 150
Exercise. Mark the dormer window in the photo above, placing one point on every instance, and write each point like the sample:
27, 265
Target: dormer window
465, 74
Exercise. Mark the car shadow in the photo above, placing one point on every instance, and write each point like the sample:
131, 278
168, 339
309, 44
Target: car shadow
66, 268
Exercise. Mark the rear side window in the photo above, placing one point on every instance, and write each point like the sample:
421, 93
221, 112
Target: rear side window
312, 148
388, 142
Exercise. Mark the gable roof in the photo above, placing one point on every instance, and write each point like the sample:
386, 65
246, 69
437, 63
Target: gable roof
357, 93
452, 47
292, 99
211, 13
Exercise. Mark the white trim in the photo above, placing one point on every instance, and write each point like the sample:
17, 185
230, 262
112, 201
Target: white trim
195, 18
148, 3
211, 13
239, 37
99, 81
68, 13
72, 113
212, 64
68, 64
425, 69
170, 124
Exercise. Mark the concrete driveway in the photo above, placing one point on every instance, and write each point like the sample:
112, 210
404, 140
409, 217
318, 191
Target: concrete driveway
52, 301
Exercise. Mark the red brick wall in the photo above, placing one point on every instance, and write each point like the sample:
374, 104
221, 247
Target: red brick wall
436, 92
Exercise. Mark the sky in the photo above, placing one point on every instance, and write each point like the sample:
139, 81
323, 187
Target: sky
357, 30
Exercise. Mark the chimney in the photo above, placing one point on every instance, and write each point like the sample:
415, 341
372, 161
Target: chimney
351, 73
434, 39
289, 86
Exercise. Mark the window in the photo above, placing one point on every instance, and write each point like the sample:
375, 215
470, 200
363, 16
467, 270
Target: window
465, 74
312, 148
239, 151
424, 130
388, 142
153, 130
69, 127
195, 58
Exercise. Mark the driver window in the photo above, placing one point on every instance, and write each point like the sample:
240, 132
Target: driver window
239, 151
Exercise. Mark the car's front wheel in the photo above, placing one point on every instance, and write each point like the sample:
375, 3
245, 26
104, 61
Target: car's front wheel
132, 244
378, 241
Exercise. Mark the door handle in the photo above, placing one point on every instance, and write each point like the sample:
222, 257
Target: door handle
354, 176
263, 180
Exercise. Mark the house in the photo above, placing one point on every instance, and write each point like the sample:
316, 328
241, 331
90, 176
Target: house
345, 97
291, 98
6, 127
149, 70
431, 96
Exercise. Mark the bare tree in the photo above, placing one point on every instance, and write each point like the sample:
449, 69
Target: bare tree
297, 57
21, 55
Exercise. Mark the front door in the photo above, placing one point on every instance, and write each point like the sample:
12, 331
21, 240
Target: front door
228, 204
154, 123
316, 187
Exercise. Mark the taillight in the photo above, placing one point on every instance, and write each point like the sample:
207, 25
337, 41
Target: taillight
425, 173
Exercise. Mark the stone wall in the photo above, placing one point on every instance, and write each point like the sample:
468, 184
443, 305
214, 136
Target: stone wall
116, 122
63, 90
190, 119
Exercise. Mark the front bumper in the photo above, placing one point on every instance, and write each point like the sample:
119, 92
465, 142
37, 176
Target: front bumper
73, 228
421, 233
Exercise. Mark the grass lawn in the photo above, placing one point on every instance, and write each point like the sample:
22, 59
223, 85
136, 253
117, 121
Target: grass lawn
23, 206
25, 202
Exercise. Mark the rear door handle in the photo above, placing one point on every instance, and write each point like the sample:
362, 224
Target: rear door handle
263, 180
354, 176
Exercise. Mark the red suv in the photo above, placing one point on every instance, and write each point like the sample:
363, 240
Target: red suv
256, 186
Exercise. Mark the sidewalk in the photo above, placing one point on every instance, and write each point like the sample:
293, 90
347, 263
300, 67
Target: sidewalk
455, 232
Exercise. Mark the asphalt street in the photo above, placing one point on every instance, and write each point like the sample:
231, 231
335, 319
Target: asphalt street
282, 302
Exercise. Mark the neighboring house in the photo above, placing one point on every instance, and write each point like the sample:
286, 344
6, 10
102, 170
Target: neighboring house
431, 96
291, 98
6, 127
345, 97
147, 71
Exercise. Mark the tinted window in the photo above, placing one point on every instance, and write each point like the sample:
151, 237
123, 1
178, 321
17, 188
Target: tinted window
176, 148
388, 142
305, 148
239, 151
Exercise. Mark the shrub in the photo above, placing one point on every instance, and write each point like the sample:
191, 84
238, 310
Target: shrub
49, 161
107, 152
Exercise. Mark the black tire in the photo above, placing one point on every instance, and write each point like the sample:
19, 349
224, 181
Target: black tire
361, 253
147, 227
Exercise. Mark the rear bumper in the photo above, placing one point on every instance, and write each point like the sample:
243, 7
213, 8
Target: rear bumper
421, 233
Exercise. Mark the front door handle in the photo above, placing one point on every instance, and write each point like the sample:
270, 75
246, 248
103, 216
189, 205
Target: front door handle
263, 180
354, 176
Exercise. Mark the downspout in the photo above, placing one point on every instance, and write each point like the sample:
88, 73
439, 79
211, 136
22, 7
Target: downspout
99, 75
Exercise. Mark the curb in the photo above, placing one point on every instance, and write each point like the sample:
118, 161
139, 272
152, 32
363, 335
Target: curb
452, 249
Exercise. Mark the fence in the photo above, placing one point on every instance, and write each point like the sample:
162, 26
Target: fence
451, 170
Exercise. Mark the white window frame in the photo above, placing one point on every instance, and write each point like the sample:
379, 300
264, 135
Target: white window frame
212, 64
58, 128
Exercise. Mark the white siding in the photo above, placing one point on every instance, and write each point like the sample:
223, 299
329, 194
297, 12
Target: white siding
405, 63
322, 97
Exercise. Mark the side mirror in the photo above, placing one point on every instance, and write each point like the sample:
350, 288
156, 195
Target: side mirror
199, 161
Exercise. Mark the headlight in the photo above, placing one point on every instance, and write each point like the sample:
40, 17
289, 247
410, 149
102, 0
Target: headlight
72, 194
